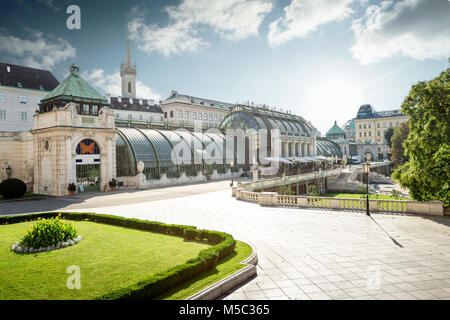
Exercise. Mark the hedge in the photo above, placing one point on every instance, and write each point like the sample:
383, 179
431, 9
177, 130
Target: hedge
223, 246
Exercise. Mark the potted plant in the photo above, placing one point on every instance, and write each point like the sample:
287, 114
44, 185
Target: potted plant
72, 187
113, 184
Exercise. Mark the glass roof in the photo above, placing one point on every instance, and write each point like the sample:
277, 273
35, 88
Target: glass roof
162, 146
141, 147
328, 148
184, 152
213, 149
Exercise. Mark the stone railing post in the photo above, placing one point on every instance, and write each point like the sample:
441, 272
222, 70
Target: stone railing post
233, 191
373, 205
335, 203
436, 208
265, 198
302, 202
238, 193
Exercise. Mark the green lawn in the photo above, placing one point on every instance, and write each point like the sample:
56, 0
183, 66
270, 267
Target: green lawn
361, 195
227, 267
109, 258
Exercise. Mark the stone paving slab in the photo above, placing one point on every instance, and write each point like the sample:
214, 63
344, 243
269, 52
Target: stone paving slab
317, 254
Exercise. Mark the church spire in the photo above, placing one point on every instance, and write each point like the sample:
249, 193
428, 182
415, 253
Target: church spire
128, 75
128, 61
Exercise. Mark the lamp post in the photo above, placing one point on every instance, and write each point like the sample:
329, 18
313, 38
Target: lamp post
366, 169
231, 169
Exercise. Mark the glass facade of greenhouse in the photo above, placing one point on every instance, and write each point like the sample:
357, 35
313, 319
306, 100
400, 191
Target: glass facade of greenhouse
169, 152
172, 152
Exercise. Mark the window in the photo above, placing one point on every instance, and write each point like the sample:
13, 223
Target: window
205, 116
396, 123
210, 117
117, 115
186, 114
23, 116
215, 117
370, 133
365, 135
180, 114
378, 125
85, 109
384, 124
194, 115
2, 114
360, 125
364, 126
165, 115
2, 97
370, 126
390, 124
23, 99
141, 117
171, 114
378, 133
200, 116
130, 117
95, 110
129, 86
220, 118
360, 134
77, 106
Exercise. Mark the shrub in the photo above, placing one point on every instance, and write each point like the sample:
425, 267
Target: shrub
312, 191
72, 186
12, 188
113, 183
287, 191
49, 232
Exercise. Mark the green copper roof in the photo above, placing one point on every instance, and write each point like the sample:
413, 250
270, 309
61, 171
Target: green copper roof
335, 130
75, 88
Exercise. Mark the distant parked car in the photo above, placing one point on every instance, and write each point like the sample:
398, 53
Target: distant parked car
356, 160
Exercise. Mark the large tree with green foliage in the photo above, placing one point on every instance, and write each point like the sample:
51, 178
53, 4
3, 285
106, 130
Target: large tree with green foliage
397, 149
427, 174
388, 136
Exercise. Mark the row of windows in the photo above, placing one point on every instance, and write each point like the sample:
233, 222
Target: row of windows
361, 126
22, 98
196, 116
23, 116
140, 118
369, 134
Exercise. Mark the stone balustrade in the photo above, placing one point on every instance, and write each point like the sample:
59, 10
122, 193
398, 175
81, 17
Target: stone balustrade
434, 207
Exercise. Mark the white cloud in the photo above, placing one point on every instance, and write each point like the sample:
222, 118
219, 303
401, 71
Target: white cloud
39, 52
302, 17
231, 19
111, 83
416, 28
51, 5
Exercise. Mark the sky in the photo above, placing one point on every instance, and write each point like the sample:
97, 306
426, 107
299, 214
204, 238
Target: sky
320, 59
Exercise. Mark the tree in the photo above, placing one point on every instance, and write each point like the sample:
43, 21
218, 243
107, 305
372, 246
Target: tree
388, 136
426, 173
397, 149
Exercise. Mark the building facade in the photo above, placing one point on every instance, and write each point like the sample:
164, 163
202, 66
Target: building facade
370, 127
21, 89
78, 138
73, 139
189, 111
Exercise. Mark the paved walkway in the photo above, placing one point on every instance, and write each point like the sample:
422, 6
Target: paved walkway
317, 254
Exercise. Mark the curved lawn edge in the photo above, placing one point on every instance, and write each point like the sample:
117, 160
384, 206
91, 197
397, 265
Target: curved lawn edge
230, 282
223, 246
